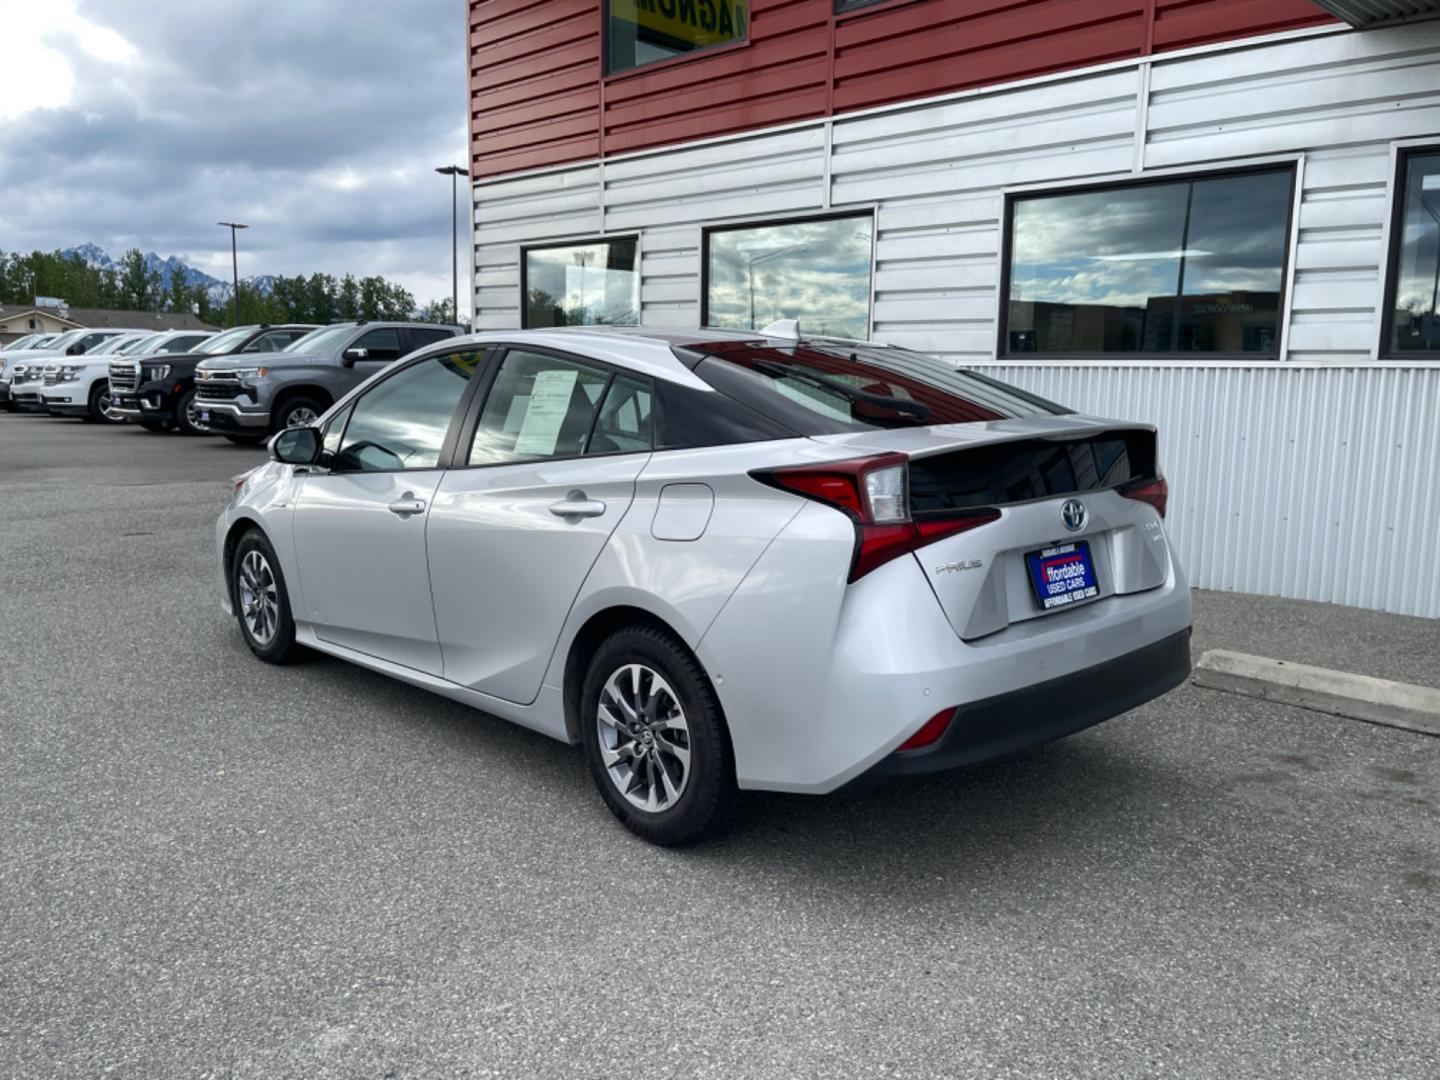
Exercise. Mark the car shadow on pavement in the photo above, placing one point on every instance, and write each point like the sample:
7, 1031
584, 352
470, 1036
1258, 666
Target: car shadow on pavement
1093, 790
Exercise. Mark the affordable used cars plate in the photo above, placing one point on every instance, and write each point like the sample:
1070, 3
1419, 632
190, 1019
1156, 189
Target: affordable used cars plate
1062, 575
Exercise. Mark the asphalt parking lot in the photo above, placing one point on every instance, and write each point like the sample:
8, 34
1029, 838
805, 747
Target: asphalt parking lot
211, 867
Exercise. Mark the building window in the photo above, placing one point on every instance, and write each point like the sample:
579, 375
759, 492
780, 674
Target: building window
817, 271
594, 284
842, 6
1171, 266
1413, 303
640, 32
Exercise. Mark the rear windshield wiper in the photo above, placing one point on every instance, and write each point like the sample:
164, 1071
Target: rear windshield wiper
918, 409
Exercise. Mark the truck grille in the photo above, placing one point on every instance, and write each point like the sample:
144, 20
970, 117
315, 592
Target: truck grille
124, 377
51, 378
217, 390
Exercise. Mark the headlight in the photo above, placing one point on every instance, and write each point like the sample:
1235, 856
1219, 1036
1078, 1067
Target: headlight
157, 372
250, 373
69, 374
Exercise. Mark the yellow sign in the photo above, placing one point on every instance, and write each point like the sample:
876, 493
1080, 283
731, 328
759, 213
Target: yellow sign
686, 24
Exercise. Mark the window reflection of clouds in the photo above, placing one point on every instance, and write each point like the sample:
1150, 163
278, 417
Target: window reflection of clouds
814, 271
408, 415
1415, 314
1100, 270
583, 284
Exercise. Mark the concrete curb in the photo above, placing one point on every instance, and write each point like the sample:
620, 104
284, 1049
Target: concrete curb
1359, 697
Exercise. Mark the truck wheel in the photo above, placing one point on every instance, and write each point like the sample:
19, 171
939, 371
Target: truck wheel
295, 412
187, 416
245, 440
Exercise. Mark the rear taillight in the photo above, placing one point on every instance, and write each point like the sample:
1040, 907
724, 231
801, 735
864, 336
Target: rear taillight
874, 492
1156, 492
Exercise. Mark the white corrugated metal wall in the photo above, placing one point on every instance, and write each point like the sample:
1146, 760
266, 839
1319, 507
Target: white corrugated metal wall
1317, 477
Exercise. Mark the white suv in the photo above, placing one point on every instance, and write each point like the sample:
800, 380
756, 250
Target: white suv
81, 386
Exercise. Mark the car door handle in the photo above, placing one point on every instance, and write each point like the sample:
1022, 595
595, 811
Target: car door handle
578, 506
407, 505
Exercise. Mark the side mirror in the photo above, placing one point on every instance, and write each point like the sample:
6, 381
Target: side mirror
352, 354
296, 446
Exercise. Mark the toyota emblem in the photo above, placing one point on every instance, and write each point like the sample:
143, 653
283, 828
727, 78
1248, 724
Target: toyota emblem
1074, 514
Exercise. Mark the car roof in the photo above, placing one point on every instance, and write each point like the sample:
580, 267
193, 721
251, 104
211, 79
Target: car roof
643, 349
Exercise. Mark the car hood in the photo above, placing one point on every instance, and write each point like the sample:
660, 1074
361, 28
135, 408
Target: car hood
244, 360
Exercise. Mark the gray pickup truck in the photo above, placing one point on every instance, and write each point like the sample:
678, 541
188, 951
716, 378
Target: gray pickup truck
249, 397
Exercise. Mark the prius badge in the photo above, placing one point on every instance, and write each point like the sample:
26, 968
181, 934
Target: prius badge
1074, 514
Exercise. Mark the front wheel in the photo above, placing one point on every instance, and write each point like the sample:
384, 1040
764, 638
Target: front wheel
102, 408
262, 606
655, 739
187, 416
296, 412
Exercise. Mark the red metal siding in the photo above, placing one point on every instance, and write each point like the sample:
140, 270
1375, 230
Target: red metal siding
538, 96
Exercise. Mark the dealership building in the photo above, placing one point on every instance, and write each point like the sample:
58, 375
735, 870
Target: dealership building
1221, 217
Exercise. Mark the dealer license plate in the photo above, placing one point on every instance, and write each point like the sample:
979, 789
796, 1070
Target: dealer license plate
1063, 575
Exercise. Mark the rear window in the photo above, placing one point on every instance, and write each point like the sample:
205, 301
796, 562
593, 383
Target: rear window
819, 388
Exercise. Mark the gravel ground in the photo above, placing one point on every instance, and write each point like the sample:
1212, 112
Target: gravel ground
211, 867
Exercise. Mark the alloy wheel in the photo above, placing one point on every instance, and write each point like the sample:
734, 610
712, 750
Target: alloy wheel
644, 739
259, 597
106, 405
300, 416
192, 415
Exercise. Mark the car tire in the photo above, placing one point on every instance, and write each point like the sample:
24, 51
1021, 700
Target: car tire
154, 425
184, 422
683, 789
295, 412
246, 440
261, 601
94, 413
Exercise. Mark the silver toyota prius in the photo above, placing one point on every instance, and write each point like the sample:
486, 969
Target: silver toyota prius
719, 560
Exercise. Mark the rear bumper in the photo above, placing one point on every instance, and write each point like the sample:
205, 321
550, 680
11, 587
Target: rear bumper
1008, 723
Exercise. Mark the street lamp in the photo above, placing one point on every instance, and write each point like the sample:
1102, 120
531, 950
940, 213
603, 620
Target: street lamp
454, 172
234, 262
750, 272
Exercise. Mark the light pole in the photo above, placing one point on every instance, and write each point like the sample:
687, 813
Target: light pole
234, 262
454, 172
750, 272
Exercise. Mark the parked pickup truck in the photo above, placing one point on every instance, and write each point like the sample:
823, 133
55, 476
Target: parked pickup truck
248, 398
161, 396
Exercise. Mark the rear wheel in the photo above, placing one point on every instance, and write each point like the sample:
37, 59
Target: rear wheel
187, 416
295, 412
262, 607
655, 739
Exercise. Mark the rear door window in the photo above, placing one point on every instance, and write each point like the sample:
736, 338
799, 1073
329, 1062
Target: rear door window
541, 406
422, 336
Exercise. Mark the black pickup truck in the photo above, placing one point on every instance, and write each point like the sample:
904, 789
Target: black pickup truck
158, 393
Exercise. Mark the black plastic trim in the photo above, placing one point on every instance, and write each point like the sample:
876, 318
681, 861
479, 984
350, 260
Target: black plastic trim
1009, 723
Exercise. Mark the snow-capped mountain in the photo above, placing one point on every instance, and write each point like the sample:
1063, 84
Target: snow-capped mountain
218, 290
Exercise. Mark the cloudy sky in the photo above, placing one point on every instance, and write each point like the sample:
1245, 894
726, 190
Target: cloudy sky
141, 123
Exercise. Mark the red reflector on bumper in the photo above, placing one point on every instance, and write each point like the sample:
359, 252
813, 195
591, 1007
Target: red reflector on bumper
930, 733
